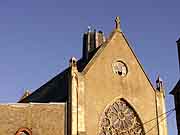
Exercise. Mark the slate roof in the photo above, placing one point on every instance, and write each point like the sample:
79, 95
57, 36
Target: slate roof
176, 88
55, 90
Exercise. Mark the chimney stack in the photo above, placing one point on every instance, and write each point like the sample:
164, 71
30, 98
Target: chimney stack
91, 41
178, 46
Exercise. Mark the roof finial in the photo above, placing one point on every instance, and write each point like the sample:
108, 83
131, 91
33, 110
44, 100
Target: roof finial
117, 20
73, 62
159, 83
89, 28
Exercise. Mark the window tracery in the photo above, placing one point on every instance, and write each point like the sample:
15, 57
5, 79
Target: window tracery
120, 119
119, 68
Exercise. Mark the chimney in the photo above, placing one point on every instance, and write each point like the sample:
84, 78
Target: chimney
178, 46
91, 41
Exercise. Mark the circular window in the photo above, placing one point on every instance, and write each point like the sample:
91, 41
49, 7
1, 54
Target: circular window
119, 68
23, 131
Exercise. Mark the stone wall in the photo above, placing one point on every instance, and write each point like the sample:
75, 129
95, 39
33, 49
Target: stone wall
103, 86
41, 119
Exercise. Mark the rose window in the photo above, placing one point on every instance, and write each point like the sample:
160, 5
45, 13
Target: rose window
120, 119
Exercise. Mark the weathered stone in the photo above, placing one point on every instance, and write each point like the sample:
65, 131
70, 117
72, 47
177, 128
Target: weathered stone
41, 119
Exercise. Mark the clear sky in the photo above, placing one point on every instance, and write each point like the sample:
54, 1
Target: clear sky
38, 37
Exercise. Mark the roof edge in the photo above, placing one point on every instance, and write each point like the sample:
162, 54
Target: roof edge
99, 51
91, 62
138, 61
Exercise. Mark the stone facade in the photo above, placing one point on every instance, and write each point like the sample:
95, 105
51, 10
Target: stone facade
103, 87
107, 93
40, 119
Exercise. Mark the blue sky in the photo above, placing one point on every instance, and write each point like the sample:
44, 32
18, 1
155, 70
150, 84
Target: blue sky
38, 37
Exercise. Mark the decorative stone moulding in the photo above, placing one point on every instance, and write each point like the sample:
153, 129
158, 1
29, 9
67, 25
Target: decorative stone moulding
23, 131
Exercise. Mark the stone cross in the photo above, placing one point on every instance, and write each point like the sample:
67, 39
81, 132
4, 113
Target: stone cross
117, 20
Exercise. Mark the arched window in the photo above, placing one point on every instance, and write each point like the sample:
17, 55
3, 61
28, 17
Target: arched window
119, 118
23, 131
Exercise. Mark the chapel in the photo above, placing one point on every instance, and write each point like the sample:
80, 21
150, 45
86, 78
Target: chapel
106, 92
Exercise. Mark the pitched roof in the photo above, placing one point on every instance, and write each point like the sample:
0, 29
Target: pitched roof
176, 88
102, 47
55, 90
